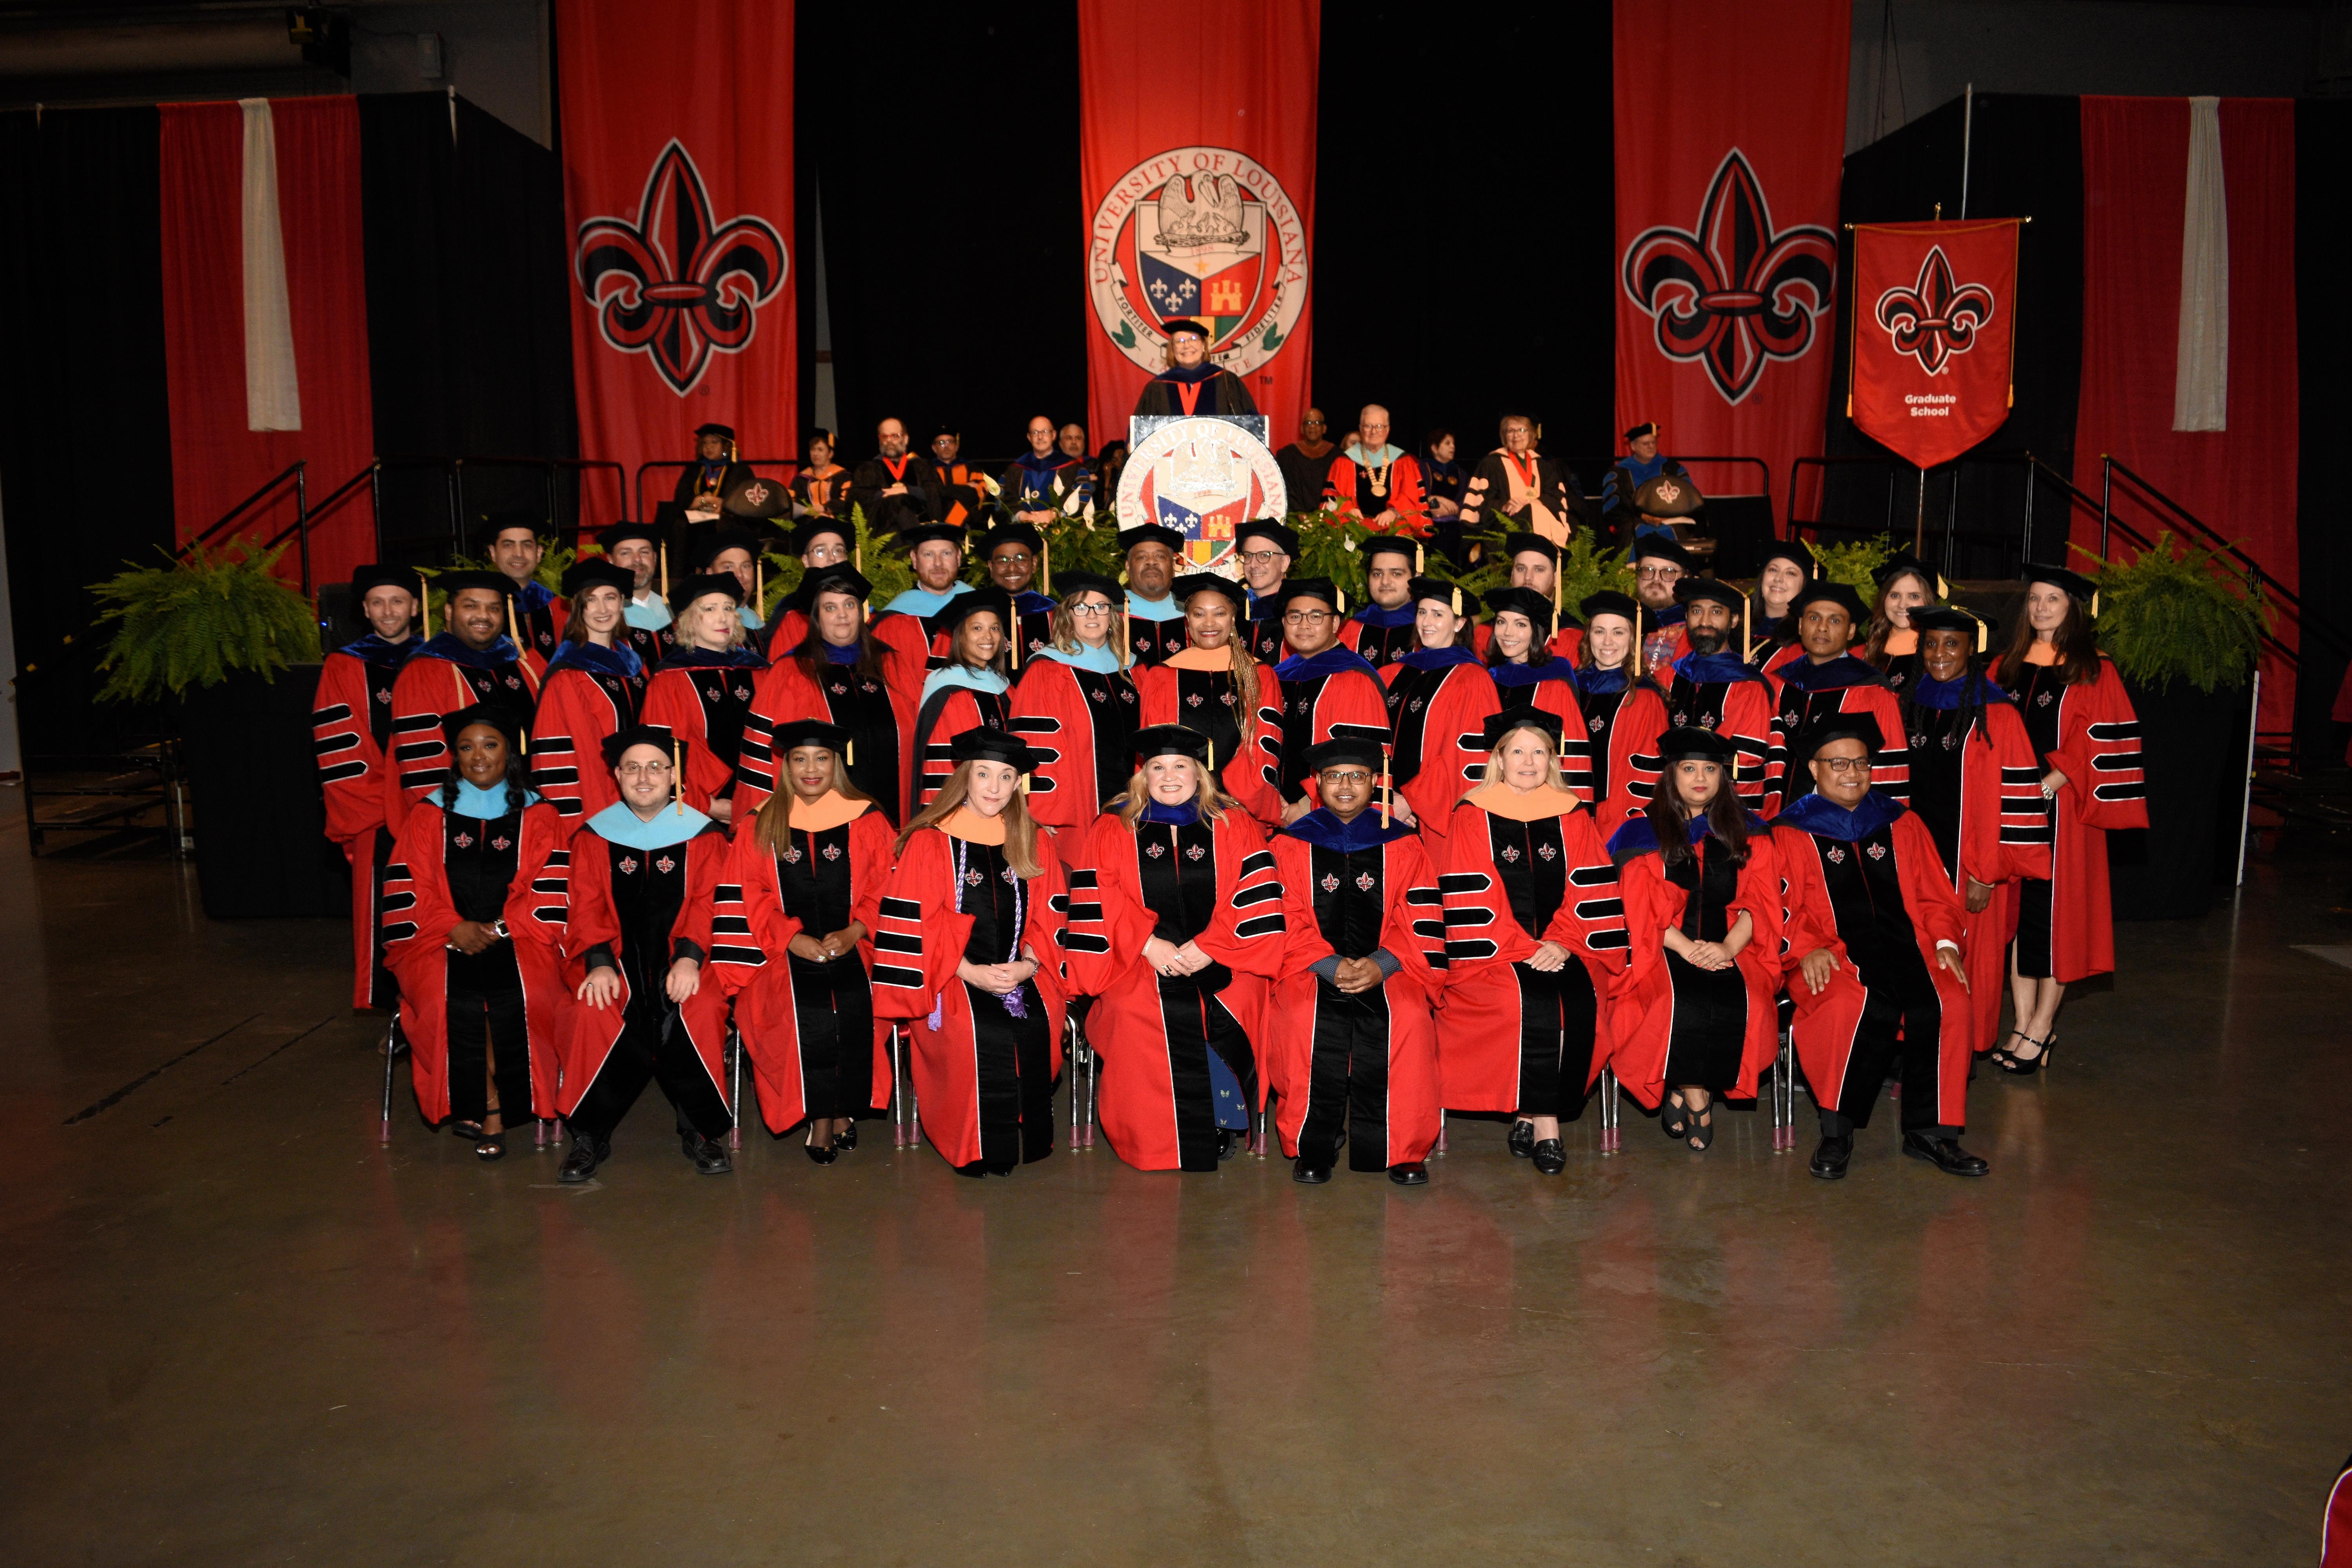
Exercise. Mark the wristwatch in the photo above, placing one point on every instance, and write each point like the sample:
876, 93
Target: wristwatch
499, 926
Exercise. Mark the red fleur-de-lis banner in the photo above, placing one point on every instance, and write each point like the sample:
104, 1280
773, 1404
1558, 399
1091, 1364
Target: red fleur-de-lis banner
1933, 310
1730, 138
677, 183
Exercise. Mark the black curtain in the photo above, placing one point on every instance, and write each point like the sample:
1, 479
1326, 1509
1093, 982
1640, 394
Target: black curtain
1465, 223
85, 425
945, 145
2323, 232
2024, 158
468, 287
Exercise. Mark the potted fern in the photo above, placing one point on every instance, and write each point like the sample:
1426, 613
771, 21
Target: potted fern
222, 642
2184, 631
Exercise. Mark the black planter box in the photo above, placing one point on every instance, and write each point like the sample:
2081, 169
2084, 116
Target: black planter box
2193, 746
253, 786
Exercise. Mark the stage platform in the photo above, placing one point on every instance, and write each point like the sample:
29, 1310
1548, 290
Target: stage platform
240, 1332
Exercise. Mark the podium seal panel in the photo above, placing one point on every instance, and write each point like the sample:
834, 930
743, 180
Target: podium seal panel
1203, 476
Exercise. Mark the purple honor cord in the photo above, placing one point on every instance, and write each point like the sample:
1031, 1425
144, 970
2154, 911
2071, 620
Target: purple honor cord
1014, 1003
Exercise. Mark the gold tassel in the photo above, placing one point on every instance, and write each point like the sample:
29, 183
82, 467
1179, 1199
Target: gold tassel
760, 585
1340, 595
514, 626
1417, 561
849, 753
677, 776
1747, 643
1943, 589
1384, 783
523, 742
1981, 636
1045, 567
2094, 604
1457, 602
428, 610
1025, 784
1212, 757
664, 566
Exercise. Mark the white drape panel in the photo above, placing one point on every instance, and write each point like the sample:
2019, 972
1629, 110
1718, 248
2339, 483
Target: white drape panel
273, 393
2201, 380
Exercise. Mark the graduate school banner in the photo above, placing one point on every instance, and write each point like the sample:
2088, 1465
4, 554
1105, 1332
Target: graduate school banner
1198, 160
678, 185
1935, 313
1730, 135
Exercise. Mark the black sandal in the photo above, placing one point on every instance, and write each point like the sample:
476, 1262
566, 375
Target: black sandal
1674, 1116
1702, 1134
490, 1147
469, 1131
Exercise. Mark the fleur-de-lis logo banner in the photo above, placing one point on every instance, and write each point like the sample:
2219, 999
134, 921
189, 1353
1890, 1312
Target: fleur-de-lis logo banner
677, 284
1937, 317
1935, 308
1732, 293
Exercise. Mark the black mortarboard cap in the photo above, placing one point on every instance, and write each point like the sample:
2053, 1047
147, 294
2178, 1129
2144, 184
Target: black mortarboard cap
1281, 535
1828, 590
621, 533
1069, 584
660, 737
2074, 582
1530, 544
1655, 543
981, 744
1609, 602
375, 575
1193, 582
1689, 588
497, 715
1689, 743
1525, 601
713, 545
1530, 718
684, 591
1391, 544
1848, 726
498, 583
907, 539
595, 570
1185, 324
1646, 427
1150, 533
724, 432
797, 732
1171, 740
1452, 595
1010, 534
1341, 748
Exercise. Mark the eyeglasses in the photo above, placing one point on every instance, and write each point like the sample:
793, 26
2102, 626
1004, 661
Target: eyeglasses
1669, 573
1845, 765
1347, 776
1090, 609
1262, 557
1304, 617
642, 769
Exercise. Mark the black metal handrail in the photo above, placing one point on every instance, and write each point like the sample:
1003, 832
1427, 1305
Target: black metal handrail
293, 471
2189, 519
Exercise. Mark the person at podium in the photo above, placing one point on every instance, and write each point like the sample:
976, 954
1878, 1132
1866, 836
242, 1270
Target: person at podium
1191, 385
712, 474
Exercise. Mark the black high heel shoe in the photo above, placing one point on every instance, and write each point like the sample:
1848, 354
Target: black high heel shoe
1674, 1117
2026, 1067
823, 1153
846, 1138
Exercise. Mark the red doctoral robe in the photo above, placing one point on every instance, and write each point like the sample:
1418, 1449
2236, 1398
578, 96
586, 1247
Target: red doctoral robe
432, 685
1153, 1035
882, 712
1438, 715
1195, 688
1082, 726
351, 723
707, 706
578, 708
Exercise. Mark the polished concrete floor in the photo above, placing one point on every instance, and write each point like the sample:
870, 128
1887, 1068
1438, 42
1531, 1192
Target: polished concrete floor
236, 1331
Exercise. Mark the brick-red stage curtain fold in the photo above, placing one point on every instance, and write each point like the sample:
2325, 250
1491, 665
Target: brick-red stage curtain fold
677, 184
1205, 119
2241, 480
1730, 123
217, 460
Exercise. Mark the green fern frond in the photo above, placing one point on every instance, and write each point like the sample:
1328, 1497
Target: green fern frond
194, 622
2177, 613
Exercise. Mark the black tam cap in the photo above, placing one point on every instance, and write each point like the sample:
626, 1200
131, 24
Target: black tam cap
982, 744
756, 497
808, 732
1795, 552
1452, 595
963, 606
1900, 562
724, 432
1847, 726
498, 583
1392, 544
1646, 427
686, 590
365, 579
1019, 533
1184, 324
497, 523
1343, 749
940, 430
1501, 724
815, 529
841, 578
595, 571
1828, 590
1193, 582
1530, 544
1688, 589
1171, 741
2076, 585
1309, 588
621, 533
711, 546
1068, 586
1947, 618
1656, 544
923, 533
498, 716
1150, 533
1609, 602
1667, 495
1280, 535
1525, 601
660, 737
1689, 743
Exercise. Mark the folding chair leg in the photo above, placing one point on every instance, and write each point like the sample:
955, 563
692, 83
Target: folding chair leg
1441, 1129
735, 1097
1608, 1086
899, 1096
388, 1060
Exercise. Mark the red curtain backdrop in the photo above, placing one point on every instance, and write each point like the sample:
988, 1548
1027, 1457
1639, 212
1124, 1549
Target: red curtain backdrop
1204, 123
216, 461
677, 182
2240, 480
1730, 133
1934, 305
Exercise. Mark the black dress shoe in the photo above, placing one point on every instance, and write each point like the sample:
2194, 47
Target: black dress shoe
1829, 1159
1522, 1140
1944, 1153
709, 1154
579, 1165
846, 1138
1227, 1142
1309, 1172
1412, 1174
823, 1153
1550, 1157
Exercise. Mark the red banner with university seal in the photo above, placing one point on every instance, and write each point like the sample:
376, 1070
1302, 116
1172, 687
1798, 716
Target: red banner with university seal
1731, 139
1935, 311
1199, 195
678, 185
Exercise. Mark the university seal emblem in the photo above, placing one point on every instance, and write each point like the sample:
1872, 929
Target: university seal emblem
1202, 477
1200, 233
